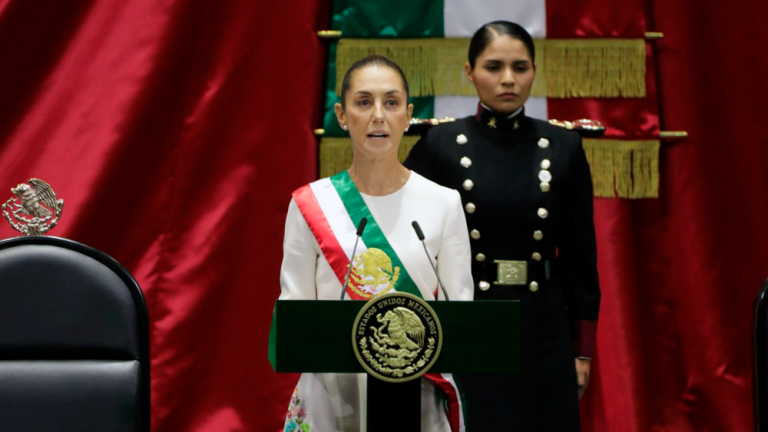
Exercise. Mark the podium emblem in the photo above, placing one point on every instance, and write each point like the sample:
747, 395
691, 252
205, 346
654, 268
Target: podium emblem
397, 337
34, 209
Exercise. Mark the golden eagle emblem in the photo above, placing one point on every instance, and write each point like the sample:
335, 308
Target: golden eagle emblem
398, 345
34, 208
397, 337
373, 274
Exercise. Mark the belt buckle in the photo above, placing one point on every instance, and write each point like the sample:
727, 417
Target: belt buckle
511, 272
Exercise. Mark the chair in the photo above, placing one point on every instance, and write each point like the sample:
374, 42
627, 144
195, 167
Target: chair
760, 360
74, 340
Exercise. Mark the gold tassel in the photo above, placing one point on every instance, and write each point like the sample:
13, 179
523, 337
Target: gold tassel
565, 68
336, 153
624, 169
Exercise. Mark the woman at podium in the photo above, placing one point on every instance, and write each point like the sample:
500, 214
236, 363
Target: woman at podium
321, 229
527, 193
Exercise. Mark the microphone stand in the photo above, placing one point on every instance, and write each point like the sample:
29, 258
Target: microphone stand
360, 229
420, 235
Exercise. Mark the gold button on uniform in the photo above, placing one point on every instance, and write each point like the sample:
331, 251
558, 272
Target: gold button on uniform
545, 164
543, 213
466, 162
480, 257
544, 186
543, 143
483, 285
470, 208
534, 286
545, 176
468, 184
475, 234
461, 139
536, 256
538, 235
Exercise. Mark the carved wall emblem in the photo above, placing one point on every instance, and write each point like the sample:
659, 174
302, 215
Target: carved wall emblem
34, 209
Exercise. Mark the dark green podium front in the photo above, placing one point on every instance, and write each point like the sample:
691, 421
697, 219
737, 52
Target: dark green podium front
478, 337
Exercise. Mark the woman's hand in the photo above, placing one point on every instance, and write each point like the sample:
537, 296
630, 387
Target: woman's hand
582, 374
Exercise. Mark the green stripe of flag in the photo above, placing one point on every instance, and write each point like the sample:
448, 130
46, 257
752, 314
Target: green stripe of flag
387, 19
381, 19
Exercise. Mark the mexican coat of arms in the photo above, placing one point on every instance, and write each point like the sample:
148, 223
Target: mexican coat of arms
397, 337
33, 209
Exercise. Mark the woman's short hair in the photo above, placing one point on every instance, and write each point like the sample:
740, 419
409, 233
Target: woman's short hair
487, 33
371, 60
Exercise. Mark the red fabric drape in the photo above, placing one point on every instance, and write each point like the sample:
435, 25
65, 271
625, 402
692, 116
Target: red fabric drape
596, 19
175, 131
680, 274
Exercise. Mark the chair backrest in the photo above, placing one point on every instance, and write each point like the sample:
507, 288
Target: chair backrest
760, 360
74, 340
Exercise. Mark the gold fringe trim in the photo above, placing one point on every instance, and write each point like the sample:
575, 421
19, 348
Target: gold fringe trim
434, 67
336, 153
565, 68
579, 68
624, 169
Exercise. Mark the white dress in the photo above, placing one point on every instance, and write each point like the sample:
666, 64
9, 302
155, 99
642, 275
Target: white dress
336, 402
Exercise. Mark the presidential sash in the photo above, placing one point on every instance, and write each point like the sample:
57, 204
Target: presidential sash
332, 208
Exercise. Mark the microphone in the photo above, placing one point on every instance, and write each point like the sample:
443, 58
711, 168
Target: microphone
360, 229
420, 235
361, 226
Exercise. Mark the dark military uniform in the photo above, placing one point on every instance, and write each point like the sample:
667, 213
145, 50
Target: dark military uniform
527, 192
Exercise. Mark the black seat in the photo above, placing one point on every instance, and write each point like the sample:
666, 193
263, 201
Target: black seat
760, 360
74, 340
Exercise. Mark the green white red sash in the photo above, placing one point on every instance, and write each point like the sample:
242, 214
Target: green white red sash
333, 208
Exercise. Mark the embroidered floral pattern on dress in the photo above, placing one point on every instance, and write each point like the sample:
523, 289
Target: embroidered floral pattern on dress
296, 416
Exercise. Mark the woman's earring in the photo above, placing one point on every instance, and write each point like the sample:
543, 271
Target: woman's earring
344, 127
406, 129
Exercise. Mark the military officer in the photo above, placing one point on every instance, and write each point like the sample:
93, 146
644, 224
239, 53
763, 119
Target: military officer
527, 193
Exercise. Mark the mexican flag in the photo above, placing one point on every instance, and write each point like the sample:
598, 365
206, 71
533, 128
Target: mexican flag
591, 62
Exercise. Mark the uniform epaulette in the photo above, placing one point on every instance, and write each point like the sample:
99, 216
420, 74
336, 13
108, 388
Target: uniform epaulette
585, 127
418, 125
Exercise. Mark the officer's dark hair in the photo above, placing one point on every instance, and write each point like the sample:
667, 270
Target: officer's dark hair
487, 33
371, 60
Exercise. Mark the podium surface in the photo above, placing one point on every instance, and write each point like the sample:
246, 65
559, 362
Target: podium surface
479, 336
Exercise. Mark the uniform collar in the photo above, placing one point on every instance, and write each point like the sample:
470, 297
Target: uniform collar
502, 123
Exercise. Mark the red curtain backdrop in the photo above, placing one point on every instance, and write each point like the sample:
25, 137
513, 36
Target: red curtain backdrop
175, 131
680, 274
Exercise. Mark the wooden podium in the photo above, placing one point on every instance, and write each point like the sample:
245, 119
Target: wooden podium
478, 337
